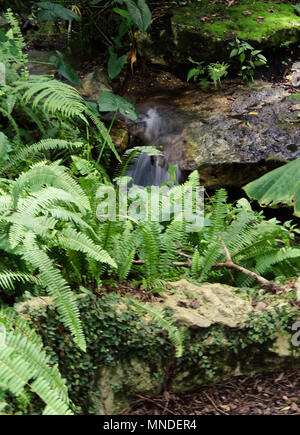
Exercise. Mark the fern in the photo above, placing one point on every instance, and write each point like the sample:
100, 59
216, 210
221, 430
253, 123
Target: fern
72, 239
57, 287
8, 277
150, 250
49, 175
24, 363
41, 147
175, 335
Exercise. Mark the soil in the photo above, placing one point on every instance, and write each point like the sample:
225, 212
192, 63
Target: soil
266, 394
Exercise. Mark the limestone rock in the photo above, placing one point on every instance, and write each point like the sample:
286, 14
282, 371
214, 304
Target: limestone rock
205, 305
95, 83
119, 384
231, 135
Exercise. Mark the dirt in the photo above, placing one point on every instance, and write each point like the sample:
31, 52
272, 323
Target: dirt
266, 394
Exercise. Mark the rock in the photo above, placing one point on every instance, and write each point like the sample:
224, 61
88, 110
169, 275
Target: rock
43, 56
294, 77
188, 31
216, 304
95, 83
231, 135
117, 386
297, 288
120, 136
223, 344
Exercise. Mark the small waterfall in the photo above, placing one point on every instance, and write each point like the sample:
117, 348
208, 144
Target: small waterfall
155, 126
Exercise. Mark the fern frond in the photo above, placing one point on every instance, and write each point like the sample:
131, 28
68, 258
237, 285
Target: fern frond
218, 214
57, 287
150, 249
175, 335
49, 175
41, 147
8, 277
23, 359
55, 96
77, 241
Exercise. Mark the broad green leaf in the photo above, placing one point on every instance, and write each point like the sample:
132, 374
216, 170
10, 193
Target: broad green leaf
140, 13
115, 63
123, 13
65, 69
52, 11
109, 102
280, 186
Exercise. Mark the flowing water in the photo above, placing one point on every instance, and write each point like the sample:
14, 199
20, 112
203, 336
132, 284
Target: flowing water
158, 126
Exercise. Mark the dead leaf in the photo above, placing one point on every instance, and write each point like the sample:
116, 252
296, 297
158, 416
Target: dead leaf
260, 19
247, 13
132, 59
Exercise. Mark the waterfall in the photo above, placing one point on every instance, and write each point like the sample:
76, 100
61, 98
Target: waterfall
157, 127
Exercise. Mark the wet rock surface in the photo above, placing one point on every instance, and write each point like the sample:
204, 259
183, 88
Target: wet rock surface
230, 135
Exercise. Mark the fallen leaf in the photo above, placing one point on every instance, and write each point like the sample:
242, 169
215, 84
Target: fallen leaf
260, 19
246, 13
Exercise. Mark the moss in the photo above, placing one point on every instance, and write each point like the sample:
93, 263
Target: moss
295, 98
200, 31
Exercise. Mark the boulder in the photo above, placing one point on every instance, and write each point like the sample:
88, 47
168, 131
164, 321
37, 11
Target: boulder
188, 31
120, 136
226, 337
231, 135
205, 305
117, 386
94, 83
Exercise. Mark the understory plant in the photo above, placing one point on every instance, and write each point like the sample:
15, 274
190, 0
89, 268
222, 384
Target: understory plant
214, 70
248, 57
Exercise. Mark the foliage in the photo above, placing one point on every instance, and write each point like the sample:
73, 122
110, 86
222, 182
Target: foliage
215, 71
279, 186
108, 102
114, 333
156, 313
65, 69
52, 11
138, 15
248, 57
46, 107
24, 365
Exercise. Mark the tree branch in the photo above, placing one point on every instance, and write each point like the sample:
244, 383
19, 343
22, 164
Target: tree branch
228, 264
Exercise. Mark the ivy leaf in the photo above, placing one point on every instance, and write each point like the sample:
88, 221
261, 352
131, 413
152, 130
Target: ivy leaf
65, 69
109, 102
280, 186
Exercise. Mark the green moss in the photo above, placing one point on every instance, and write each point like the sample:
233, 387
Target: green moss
277, 27
295, 98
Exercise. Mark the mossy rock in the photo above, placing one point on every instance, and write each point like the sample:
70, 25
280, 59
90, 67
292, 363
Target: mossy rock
200, 31
203, 31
